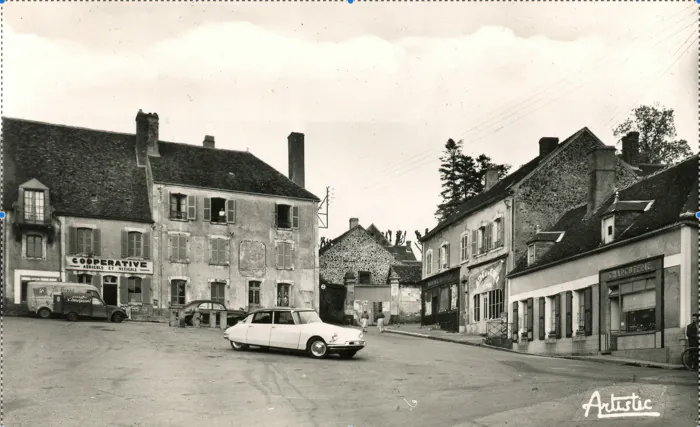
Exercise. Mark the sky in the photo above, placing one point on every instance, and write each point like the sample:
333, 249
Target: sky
377, 88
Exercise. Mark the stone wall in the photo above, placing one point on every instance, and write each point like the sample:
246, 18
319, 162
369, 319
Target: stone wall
541, 200
356, 252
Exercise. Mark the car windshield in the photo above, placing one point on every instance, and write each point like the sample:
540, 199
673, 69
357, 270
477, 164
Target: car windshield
308, 317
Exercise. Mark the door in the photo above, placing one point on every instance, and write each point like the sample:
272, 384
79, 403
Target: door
109, 290
253, 295
434, 305
376, 309
99, 311
284, 333
282, 295
259, 329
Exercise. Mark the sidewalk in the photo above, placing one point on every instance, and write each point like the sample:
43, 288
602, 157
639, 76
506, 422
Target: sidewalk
418, 331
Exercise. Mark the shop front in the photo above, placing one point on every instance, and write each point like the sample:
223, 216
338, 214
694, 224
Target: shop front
124, 282
486, 284
632, 306
440, 300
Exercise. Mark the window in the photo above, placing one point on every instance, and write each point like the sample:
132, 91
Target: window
495, 304
454, 294
283, 318
569, 306
444, 256
34, 206
530, 254
283, 298
541, 324
84, 242
639, 311
444, 299
35, 246
134, 244
263, 317
218, 210
530, 318
177, 292
287, 216
218, 292
464, 247
557, 315
525, 313
485, 305
429, 263
85, 278
178, 248
96, 301
608, 229
134, 293
477, 308
306, 317
364, 278
516, 320
580, 314
499, 236
481, 240
552, 315
253, 295
217, 252
284, 256
178, 206
488, 237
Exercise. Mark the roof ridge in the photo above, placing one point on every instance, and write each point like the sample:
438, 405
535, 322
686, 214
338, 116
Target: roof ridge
39, 122
207, 148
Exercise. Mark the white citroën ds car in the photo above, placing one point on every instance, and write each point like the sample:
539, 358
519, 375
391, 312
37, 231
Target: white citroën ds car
294, 329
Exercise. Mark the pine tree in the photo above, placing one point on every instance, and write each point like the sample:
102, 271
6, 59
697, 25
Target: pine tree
450, 171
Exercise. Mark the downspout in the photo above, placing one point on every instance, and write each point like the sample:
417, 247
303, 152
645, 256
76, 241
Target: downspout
161, 228
61, 260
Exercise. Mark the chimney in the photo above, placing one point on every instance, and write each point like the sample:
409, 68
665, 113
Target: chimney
601, 176
354, 222
547, 145
630, 148
208, 141
491, 179
408, 243
296, 158
146, 135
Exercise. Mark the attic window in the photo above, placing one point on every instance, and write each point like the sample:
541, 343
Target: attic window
607, 229
530, 254
287, 216
178, 206
364, 278
218, 210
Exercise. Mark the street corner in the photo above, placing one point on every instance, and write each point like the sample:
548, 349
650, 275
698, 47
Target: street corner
623, 401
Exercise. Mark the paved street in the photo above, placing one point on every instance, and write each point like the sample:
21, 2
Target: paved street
140, 374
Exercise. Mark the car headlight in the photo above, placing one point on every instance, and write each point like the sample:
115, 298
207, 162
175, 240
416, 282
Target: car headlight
334, 337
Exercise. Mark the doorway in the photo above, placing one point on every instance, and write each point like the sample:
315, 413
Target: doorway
434, 307
283, 295
109, 290
376, 309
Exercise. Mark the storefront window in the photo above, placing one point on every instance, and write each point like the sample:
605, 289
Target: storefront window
428, 304
444, 299
641, 320
454, 295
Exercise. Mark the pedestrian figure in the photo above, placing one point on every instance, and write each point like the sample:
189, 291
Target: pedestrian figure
691, 331
380, 321
364, 320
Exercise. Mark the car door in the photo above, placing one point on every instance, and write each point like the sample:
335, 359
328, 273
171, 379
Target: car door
99, 310
259, 329
285, 332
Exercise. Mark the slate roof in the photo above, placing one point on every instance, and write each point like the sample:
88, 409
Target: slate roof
398, 252
545, 236
401, 253
378, 235
338, 239
409, 273
76, 164
228, 170
675, 194
500, 190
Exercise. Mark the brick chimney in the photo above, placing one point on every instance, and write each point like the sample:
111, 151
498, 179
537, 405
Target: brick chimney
630, 148
296, 158
354, 222
601, 176
408, 243
208, 141
146, 136
547, 145
491, 179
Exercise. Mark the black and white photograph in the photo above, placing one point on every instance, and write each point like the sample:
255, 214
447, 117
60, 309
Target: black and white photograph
349, 213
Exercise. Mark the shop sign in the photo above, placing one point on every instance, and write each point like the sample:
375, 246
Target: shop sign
38, 279
109, 265
488, 279
630, 270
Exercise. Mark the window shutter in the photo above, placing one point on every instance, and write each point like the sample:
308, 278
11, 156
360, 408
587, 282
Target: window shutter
489, 236
280, 255
231, 211
569, 304
516, 327
227, 252
146, 239
501, 232
207, 209
212, 251
289, 256
191, 207
96, 242
557, 315
541, 323
123, 290
146, 290
171, 248
72, 240
20, 204
530, 318
184, 248
475, 238
447, 255
295, 216
588, 311
47, 207
125, 243
274, 216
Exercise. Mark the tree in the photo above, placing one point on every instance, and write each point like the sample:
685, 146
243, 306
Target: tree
657, 134
400, 238
463, 177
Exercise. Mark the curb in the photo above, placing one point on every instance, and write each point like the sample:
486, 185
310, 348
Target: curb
640, 363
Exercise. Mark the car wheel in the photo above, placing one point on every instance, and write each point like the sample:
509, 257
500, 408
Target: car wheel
117, 318
238, 346
44, 313
347, 354
72, 317
318, 348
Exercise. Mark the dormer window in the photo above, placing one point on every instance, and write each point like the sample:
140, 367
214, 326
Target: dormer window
34, 205
607, 229
531, 254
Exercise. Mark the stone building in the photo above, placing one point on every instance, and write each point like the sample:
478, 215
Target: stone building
465, 288
617, 275
77, 210
377, 276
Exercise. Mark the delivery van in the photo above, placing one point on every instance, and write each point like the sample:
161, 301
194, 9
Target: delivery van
75, 305
40, 295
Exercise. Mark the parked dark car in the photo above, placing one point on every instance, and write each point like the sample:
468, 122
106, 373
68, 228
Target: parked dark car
206, 307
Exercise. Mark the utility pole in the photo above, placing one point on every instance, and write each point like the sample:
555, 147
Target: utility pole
322, 212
